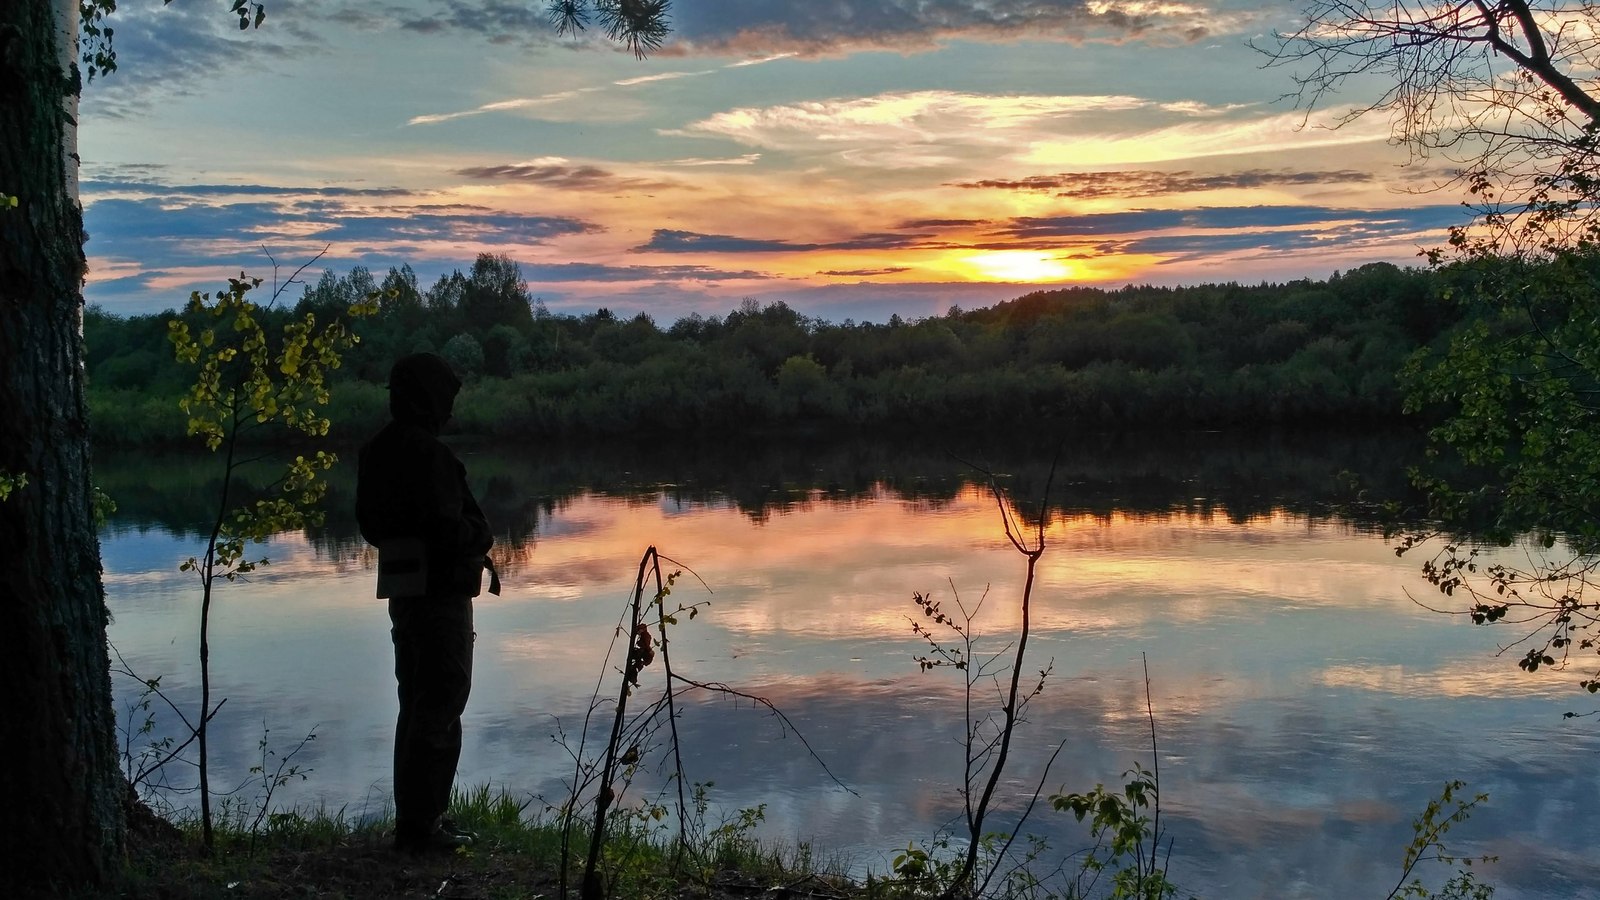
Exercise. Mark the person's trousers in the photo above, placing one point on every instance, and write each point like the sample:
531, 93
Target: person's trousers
433, 665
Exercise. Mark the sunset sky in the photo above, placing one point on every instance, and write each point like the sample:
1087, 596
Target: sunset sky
853, 159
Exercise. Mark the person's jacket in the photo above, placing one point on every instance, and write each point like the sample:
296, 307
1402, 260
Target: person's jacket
410, 485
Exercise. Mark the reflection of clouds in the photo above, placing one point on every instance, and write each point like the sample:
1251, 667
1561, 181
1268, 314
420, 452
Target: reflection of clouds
1305, 710
1474, 677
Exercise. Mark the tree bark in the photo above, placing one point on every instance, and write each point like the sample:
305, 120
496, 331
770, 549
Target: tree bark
60, 785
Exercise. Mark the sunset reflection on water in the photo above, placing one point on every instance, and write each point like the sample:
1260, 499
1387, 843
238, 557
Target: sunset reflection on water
1306, 709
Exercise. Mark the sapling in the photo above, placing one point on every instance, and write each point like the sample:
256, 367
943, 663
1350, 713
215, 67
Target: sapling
250, 385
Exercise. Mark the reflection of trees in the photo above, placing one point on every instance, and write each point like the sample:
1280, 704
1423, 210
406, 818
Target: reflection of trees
1208, 473
1238, 476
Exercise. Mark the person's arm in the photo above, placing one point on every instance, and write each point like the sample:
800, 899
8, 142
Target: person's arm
377, 513
457, 523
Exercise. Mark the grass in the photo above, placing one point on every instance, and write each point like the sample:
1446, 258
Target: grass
328, 854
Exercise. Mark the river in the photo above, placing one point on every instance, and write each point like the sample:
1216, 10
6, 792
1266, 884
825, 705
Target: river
1305, 707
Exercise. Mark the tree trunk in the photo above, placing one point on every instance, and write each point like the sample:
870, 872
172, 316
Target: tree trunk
60, 785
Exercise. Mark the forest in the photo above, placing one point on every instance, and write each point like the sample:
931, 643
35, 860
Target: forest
1302, 353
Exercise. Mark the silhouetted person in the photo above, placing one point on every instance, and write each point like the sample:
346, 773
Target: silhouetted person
413, 503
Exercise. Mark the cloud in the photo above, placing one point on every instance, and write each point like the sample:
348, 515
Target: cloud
761, 30
570, 272
108, 186
1130, 184
915, 125
903, 130
670, 241
943, 223
826, 29
136, 284
159, 233
1192, 134
418, 224
1172, 234
515, 103
1346, 229
1249, 217
165, 51
743, 63
664, 240
523, 103
498, 20
748, 159
865, 273
663, 76
560, 173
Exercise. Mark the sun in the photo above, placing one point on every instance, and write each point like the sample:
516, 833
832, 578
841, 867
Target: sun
1019, 265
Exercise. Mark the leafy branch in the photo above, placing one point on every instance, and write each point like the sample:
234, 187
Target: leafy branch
248, 379
1442, 813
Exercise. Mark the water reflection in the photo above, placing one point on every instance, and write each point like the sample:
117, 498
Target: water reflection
1100, 475
1307, 710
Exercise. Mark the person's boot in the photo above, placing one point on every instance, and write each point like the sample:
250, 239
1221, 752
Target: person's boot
440, 839
449, 826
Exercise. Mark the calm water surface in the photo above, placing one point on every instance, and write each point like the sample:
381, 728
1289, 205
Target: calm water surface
1306, 708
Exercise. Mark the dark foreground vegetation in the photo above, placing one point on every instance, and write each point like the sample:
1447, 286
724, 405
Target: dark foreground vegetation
323, 854
1305, 352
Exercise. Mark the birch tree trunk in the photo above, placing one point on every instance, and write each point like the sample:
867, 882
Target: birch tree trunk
60, 786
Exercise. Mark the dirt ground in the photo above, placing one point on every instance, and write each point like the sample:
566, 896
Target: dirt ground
366, 867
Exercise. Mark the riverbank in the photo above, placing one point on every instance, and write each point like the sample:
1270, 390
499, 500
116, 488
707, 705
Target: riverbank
315, 853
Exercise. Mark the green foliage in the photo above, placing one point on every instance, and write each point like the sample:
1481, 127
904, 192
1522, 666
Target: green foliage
932, 869
135, 418
1515, 450
143, 753
103, 506
464, 354
705, 847
1123, 863
926, 870
247, 378
1125, 838
273, 771
1139, 357
11, 482
95, 33
1429, 829
1517, 385
640, 25
333, 851
734, 839
989, 734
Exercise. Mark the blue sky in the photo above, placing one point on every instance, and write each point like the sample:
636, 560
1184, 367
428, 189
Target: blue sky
855, 158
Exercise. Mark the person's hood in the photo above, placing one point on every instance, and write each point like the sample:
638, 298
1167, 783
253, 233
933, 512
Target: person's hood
422, 391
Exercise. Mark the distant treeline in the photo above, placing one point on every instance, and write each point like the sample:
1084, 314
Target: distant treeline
1300, 353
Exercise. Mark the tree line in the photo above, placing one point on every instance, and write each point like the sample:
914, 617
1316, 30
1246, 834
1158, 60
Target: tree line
1216, 355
